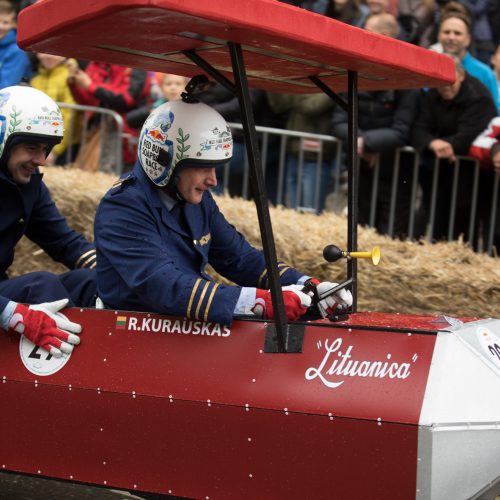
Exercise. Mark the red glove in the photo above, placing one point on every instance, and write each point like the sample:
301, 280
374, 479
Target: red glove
296, 303
43, 327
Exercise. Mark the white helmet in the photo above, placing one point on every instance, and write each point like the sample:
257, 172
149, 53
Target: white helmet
181, 134
28, 115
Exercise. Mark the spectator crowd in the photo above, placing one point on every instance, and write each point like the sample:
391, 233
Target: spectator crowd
442, 125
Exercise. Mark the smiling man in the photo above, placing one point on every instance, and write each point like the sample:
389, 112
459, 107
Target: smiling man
455, 38
159, 226
30, 126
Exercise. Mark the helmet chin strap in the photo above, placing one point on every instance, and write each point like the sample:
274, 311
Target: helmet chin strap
173, 192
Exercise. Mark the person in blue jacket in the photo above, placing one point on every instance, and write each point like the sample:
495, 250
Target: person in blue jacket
158, 227
14, 62
30, 125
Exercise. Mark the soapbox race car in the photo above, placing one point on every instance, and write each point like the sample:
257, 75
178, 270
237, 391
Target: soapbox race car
380, 406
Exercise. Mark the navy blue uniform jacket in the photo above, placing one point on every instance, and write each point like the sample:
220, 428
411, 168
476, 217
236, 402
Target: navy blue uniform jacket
150, 261
28, 209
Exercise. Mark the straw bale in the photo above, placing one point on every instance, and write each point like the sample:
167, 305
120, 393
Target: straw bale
77, 194
413, 277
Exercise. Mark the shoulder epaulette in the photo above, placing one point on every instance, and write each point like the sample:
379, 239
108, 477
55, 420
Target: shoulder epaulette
118, 185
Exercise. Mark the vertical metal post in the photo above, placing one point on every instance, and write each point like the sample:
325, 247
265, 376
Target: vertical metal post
453, 202
414, 188
493, 214
319, 178
353, 175
394, 192
281, 170
432, 214
337, 167
374, 192
475, 189
300, 174
259, 192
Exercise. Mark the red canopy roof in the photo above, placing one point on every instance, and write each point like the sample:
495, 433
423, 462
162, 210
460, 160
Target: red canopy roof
283, 45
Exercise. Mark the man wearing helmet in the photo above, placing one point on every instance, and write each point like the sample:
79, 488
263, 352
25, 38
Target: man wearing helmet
159, 226
30, 126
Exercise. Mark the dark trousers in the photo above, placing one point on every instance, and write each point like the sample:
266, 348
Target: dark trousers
78, 285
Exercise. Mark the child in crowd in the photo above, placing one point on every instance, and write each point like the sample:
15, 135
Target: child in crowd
170, 88
14, 63
52, 79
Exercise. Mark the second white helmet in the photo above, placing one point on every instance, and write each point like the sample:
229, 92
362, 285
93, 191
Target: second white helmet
28, 114
181, 134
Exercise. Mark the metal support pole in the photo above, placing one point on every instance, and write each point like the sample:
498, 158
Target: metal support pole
329, 92
353, 173
259, 193
208, 68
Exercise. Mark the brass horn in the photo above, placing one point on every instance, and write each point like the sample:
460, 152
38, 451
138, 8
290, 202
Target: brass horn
332, 253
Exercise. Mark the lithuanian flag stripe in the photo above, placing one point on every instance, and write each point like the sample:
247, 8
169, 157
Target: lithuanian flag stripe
121, 320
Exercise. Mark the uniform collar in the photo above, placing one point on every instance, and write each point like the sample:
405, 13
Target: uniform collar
166, 199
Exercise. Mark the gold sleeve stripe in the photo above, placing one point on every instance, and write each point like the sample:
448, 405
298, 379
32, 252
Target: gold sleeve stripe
86, 254
209, 304
284, 270
191, 298
93, 265
88, 261
200, 300
262, 276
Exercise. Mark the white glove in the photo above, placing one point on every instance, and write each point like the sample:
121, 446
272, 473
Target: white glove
45, 328
329, 304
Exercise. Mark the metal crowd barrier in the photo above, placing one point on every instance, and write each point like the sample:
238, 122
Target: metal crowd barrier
336, 175
114, 141
265, 134
483, 242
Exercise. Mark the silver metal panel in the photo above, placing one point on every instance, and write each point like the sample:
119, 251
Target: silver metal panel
457, 462
464, 379
459, 431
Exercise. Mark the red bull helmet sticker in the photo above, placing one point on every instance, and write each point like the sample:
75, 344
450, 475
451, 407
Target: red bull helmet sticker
219, 141
155, 147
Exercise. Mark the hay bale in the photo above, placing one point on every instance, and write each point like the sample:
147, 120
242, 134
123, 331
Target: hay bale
77, 194
420, 278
